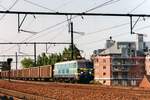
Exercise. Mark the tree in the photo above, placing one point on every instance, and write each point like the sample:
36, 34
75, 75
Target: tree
59, 57
44, 59
39, 60
53, 58
67, 53
27, 62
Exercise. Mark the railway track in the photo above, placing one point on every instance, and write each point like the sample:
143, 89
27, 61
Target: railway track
22, 96
67, 91
96, 86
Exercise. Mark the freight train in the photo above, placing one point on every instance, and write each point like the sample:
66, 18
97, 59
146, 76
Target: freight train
68, 71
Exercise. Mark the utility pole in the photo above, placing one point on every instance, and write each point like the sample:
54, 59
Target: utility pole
34, 44
9, 60
34, 54
131, 29
72, 49
16, 61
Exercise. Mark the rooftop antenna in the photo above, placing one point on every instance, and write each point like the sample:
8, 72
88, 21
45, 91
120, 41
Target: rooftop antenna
110, 37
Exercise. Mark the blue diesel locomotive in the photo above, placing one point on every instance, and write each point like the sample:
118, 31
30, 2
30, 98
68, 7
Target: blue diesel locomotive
74, 71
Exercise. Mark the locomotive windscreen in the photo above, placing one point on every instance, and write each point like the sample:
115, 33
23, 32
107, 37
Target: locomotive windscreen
85, 64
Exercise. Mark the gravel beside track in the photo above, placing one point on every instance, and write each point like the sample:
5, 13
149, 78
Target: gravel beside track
64, 91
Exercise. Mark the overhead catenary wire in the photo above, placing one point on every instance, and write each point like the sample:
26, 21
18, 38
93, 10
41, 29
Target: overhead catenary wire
28, 37
35, 4
5, 14
64, 4
51, 27
9, 9
116, 35
141, 28
13, 5
137, 6
112, 27
62, 22
71, 18
108, 28
115, 26
100, 41
95, 41
58, 33
46, 29
42, 34
38, 5
101, 5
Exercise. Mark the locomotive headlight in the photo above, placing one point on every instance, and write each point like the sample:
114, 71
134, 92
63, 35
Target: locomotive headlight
90, 72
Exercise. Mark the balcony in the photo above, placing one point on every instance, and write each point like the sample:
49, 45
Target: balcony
119, 77
120, 69
128, 58
128, 64
124, 64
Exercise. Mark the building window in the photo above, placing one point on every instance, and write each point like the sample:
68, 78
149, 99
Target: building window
104, 73
104, 81
96, 60
104, 67
104, 60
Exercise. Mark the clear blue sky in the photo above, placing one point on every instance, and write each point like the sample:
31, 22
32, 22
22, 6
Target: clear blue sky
96, 29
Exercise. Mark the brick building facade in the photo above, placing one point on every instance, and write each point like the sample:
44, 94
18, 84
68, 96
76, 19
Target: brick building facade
147, 64
121, 63
102, 70
111, 70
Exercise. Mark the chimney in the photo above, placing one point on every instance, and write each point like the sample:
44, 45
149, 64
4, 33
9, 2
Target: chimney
140, 42
109, 42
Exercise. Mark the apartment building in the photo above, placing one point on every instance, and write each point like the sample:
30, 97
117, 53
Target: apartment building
120, 63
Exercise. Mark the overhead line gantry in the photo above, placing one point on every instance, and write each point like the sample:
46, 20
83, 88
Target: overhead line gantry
63, 13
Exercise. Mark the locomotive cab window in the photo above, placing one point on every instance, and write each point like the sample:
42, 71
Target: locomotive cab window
67, 70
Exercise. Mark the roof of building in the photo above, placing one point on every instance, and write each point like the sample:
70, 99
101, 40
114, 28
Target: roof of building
112, 50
